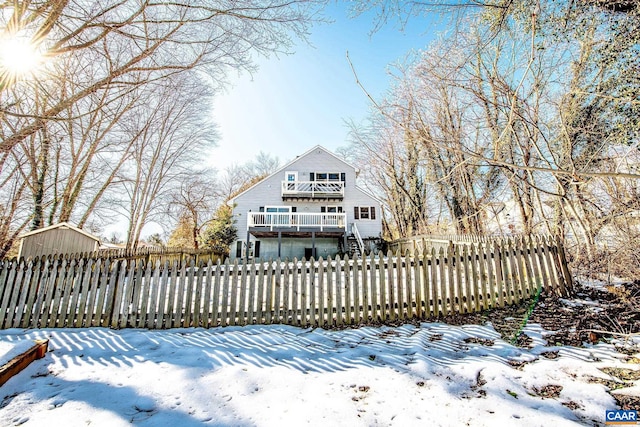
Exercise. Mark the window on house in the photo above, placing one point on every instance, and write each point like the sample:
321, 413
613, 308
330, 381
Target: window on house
291, 176
280, 209
364, 212
326, 176
331, 209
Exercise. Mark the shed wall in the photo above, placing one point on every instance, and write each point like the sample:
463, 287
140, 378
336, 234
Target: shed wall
56, 241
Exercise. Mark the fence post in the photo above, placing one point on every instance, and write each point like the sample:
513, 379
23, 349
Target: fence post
568, 280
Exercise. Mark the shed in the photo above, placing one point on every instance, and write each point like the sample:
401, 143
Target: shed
62, 238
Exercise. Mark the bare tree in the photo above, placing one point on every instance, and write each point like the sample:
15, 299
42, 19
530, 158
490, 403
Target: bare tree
158, 38
193, 204
64, 146
538, 99
170, 136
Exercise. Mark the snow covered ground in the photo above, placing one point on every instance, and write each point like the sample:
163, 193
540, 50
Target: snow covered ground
432, 374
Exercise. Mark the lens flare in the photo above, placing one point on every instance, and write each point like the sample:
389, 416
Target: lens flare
19, 58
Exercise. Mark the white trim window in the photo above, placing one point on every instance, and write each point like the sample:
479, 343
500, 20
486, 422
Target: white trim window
327, 176
331, 209
364, 212
291, 176
280, 217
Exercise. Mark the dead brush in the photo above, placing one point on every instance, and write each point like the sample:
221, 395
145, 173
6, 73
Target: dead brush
620, 292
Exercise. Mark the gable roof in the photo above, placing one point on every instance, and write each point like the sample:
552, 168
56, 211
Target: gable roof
283, 168
64, 225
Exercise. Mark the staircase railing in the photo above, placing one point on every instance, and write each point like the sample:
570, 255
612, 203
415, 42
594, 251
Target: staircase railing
356, 233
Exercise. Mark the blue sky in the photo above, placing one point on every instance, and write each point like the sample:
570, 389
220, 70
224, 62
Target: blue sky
294, 102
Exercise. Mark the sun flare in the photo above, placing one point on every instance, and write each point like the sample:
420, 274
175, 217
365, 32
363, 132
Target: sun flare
18, 57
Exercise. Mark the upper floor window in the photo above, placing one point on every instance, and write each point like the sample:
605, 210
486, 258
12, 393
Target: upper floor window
291, 176
327, 176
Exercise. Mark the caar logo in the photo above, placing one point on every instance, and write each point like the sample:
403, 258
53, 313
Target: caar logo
621, 417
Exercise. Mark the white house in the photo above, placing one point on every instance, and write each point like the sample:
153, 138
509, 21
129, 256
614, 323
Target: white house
309, 207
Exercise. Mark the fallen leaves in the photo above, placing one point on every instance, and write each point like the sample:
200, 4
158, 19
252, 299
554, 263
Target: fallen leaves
548, 391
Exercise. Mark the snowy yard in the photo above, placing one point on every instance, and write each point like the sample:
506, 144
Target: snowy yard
431, 374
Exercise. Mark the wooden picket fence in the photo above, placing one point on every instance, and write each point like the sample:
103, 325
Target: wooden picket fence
59, 292
153, 255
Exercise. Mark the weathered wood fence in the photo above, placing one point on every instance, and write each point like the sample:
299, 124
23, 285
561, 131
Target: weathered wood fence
58, 292
153, 255
418, 244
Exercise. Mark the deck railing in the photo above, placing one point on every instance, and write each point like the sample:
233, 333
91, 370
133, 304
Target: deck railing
296, 221
312, 189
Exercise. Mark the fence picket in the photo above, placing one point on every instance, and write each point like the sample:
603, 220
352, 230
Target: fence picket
43, 291
215, 300
171, 300
465, 285
338, 291
432, 299
313, 320
418, 285
198, 291
105, 288
357, 263
382, 289
163, 285
551, 271
117, 280
295, 295
392, 295
187, 319
458, 279
374, 295
302, 300
276, 289
62, 292
15, 294
74, 293
22, 295
366, 311
540, 264
85, 284
346, 287
519, 265
233, 304
145, 291
409, 280
329, 292
135, 286
321, 316
260, 296
53, 285
400, 291
443, 281
422, 285
567, 280
251, 294
92, 295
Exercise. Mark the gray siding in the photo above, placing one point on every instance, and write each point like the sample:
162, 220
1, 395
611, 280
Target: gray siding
268, 193
56, 241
